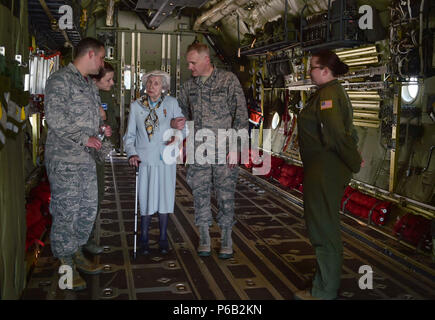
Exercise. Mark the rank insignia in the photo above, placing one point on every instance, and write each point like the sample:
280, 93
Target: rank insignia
325, 104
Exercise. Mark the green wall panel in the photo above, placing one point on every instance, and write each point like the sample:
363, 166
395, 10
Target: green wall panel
14, 36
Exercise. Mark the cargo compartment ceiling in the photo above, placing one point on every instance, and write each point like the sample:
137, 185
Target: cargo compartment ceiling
42, 14
157, 11
254, 14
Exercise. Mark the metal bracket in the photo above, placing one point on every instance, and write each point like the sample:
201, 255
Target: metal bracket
110, 53
19, 58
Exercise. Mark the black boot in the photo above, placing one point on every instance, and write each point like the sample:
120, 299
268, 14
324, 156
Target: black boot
143, 240
163, 226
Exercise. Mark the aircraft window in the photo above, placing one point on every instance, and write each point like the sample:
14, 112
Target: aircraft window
275, 120
410, 91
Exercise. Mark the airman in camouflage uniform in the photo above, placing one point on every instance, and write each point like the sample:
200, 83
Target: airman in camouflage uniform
73, 119
214, 100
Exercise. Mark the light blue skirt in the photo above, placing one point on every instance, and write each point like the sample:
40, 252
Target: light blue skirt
157, 189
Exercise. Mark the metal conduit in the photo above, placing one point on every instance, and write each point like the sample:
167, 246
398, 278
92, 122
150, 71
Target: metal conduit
219, 11
110, 11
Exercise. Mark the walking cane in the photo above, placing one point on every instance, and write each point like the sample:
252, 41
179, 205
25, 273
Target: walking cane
135, 215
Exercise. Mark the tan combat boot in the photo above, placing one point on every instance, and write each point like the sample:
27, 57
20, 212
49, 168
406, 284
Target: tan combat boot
92, 247
204, 249
86, 266
226, 250
78, 282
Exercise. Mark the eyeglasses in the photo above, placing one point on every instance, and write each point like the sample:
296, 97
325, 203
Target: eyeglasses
317, 67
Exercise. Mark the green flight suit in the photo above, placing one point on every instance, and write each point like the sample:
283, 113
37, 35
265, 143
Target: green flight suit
328, 147
112, 114
106, 98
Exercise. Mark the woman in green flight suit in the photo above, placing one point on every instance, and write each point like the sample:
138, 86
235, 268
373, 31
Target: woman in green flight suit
104, 82
328, 147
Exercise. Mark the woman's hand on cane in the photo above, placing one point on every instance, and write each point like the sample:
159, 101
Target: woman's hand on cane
134, 161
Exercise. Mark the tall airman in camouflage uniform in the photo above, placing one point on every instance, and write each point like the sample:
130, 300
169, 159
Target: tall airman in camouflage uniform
214, 100
73, 119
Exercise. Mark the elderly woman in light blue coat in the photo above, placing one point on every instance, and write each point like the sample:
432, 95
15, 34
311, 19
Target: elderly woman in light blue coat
153, 123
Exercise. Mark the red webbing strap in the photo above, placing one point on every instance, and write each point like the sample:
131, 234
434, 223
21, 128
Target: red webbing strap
343, 207
371, 211
286, 115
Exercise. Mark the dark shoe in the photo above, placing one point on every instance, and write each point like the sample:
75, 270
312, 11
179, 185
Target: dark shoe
92, 247
144, 250
204, 248
145, 222
78, 282
164, 246
163, 227
86, 266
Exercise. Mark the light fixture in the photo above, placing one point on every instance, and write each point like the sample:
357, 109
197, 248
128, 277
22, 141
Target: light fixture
275, 120
410, 91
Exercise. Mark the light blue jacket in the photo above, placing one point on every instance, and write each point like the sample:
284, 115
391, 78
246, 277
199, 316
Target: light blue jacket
136, 140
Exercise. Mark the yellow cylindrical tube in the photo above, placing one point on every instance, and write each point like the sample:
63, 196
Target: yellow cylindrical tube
362, 49
371, 95
366, 123
361, 61
357, 52
362, 104
366, 115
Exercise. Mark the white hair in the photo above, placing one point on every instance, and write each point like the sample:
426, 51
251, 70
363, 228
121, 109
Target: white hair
166, 78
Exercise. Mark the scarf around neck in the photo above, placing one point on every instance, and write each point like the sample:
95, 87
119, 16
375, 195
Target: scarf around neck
152, 120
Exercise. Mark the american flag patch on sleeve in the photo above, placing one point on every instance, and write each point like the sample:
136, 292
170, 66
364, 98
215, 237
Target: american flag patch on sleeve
325, 104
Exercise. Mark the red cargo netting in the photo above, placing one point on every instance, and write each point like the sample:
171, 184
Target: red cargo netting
291, 176
414, 229
255, 159
275, 167
287, 175
38, 218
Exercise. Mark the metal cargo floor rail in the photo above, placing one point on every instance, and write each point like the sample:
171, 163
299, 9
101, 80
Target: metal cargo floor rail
272, 254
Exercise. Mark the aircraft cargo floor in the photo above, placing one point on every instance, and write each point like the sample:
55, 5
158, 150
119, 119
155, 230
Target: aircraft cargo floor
273, 257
